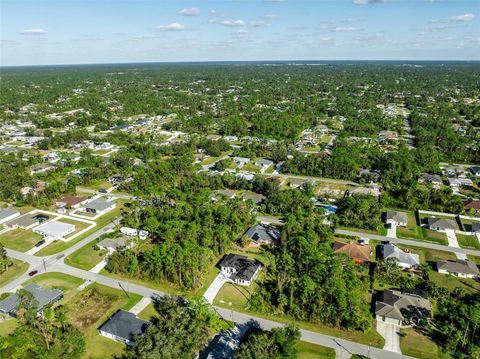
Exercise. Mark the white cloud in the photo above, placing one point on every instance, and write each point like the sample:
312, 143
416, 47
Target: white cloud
240, 33
232, 23
191, 11
33, 32
345, 29
462, 18
366, 2
174, 26
270, 16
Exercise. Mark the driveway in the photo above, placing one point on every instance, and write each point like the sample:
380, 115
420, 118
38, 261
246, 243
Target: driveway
391, 334
392, 231
214, 288
452, 242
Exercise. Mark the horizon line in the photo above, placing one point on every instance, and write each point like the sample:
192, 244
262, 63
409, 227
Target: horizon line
235, 61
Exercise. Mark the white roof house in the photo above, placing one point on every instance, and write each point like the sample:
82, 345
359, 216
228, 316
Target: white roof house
406, 260
55, 229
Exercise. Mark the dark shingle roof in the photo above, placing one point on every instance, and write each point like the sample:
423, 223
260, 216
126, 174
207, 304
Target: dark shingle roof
395, 304
244, 266
441, 223
124, 325
43, 297
262, 232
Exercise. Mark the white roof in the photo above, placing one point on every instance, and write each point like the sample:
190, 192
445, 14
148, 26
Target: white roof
55, 228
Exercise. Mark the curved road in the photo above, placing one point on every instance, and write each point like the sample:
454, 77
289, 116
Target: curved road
55, 263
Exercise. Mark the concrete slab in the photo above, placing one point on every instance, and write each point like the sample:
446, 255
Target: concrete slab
141, 305
214, 288
99, 266
453, 242
391, 334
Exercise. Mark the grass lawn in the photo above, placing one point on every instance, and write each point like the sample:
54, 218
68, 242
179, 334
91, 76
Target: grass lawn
20, 239
251, 167
55, 280
429, 255
89, 309
86, 257
96, 185
148, 313
14, 271
8, 326
236, 298
418, 345
468, 241
451, 282
208, 279
208, 161
59, 246
311, 351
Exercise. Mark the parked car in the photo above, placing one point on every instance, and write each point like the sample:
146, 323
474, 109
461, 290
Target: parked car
32, 273
102, 190
39, 243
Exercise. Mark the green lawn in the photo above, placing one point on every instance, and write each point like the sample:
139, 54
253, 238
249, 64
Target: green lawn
89, 309
79, 226
59, 246
66, 283
20, 239
418, 345
236, 298
468, 241
8, 326
86, 257
148, 313
251, 167
16, 270
429, 255
311, 351
451, 282
96, 185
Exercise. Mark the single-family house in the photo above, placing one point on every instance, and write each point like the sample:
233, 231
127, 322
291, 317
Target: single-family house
123, 326
399, 218
254, 197
475, 171
435, 180
71, 201
240, 269
112, 245
241, 160
27, 221
245, 176
40, 168
98, 206
472, 204
298, 183
7, 214
456, 183
264, 164
262, 234
42, 297
441, 224
458, 268
405, 259
401, 309
54, 230
358, 252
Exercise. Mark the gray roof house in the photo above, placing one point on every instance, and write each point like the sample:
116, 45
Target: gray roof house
43, 297
400, 218
122, 326
263, 234
458, 268
406, 260
240, 269
264, 163
400, 308
113, 245
441, 224
435, 180
98, 206
6, 214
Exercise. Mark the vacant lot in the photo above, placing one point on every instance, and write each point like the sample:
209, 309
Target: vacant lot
14, 271
89, 309
86, 257
311, 351
20, 239
418, 345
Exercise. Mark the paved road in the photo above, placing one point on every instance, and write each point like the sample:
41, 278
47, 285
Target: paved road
410, 242
114, 195
56, 264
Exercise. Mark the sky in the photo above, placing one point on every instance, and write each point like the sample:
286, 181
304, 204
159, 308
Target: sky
42, 32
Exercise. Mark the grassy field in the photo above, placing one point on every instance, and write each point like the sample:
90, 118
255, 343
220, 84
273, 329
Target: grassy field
99, 185
54, 280
417, 345
251, 167
86, 257
89, 309
468, 241
311, 351
79, 226
148, 313
429, 255
59, 246
451, 282
20, 239
236, 298
16, 270
8, 326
